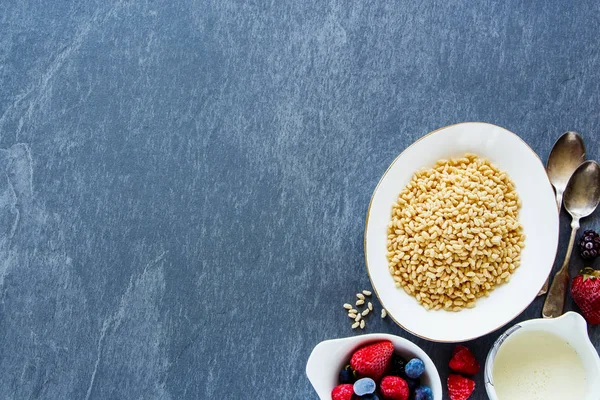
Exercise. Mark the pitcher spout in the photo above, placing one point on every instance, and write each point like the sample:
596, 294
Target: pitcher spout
573, 325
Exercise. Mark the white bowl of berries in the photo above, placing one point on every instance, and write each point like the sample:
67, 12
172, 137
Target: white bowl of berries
372, 367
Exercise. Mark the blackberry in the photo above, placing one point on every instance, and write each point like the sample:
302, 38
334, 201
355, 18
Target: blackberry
347, 375
397, 366
589, 245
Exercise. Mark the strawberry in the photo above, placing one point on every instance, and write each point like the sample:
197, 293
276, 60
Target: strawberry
394, 388
459, 387
463, 361
585, 290
342, 392
372, 360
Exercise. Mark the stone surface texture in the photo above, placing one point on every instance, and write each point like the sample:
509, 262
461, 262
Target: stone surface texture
185, 183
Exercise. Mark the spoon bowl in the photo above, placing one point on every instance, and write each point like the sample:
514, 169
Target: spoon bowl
582, 194
566, 155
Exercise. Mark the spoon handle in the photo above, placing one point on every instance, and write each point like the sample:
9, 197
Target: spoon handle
559, 197
555, 301
544, 288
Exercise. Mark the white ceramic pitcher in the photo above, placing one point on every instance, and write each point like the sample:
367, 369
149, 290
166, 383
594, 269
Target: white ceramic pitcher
573, 329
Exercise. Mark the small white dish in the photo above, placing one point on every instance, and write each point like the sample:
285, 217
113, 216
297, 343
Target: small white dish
330, 356
538, 215
572, 328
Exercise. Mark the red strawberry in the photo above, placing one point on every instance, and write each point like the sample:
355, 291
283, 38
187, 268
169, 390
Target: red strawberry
459, 387
463, 361
585, 290
342, 392
372, 360
394, 388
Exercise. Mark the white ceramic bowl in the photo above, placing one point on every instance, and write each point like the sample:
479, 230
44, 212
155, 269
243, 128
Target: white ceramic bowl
329, 357
538, 215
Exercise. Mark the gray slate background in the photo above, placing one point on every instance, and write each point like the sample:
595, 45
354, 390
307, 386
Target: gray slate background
185, 183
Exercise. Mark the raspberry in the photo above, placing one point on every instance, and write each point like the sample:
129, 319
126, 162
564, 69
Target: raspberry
394, 388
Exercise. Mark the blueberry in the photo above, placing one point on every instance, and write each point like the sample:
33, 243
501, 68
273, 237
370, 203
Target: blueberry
397, 366
414, 368
347, 375
370, 396
364, 386
423, 393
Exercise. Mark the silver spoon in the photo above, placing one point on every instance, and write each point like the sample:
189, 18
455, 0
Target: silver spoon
581, 197
566, 155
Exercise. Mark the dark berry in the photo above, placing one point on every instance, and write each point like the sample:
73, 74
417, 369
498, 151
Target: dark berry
364, 386
371, 396
589, 245
414, 368
413, 383
397, 366
423, 393
347, 375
